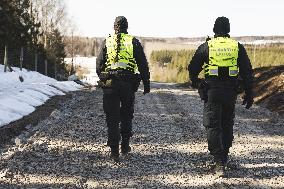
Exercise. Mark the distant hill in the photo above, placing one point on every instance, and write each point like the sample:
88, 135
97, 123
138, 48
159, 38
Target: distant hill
86, 46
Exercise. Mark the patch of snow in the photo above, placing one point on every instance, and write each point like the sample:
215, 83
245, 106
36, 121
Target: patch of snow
18, 99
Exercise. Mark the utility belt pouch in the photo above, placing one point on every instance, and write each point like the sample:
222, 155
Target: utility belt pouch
202, 91
105, 84
104, 76
105, 80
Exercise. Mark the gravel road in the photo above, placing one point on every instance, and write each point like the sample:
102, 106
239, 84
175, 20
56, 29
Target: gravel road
68, 149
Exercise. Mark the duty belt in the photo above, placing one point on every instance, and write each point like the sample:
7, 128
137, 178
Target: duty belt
117, 74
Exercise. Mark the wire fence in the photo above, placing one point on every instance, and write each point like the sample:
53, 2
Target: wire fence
24, 57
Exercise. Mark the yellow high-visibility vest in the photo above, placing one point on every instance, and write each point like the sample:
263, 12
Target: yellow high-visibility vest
223, 52
122, 58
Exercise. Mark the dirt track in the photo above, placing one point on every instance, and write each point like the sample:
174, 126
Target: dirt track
67, 150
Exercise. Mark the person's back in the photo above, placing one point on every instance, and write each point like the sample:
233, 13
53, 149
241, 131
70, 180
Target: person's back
120, 59
221, 69
223, 60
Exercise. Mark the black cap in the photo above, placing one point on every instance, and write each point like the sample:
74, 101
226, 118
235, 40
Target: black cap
222, 25
120, 24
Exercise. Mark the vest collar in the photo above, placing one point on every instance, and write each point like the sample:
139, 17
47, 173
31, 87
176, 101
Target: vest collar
221, 35
124, 32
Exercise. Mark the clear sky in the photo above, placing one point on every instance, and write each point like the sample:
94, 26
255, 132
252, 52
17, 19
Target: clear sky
178, 18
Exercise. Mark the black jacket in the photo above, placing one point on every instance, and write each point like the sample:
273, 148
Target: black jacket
222, 88
139, 56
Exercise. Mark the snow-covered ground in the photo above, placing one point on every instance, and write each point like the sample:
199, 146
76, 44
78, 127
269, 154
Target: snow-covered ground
18, 99
90, 64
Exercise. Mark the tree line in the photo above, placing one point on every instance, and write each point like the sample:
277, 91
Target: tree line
31, 35
82, 46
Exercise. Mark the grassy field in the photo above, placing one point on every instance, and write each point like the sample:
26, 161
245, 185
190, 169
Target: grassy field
171, 65
266, 55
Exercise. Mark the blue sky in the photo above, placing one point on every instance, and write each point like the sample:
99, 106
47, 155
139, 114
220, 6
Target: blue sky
178, 18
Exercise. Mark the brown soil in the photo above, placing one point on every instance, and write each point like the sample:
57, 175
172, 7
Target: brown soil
269, 88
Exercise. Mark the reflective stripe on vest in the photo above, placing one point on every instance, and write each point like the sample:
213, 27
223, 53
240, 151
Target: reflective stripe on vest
223, 52
125, 58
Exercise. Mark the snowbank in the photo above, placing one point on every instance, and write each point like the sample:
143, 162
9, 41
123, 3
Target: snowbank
18, 99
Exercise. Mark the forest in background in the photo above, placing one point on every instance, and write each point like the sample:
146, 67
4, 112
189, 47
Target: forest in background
32, 35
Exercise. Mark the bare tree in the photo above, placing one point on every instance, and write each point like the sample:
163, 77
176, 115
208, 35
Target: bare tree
52, 14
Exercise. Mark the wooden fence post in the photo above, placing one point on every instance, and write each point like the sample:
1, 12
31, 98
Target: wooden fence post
45, 62
36, 57
21, 58
6, 58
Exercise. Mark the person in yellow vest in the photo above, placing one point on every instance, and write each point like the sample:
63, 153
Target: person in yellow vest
121, 65
223, 60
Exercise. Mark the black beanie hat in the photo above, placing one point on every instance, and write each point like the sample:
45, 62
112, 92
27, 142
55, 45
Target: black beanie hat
120, 24
222, 25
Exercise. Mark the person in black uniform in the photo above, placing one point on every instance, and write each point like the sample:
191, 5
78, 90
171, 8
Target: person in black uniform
225, 60
120, 59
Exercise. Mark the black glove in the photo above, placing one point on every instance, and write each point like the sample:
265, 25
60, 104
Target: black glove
247, 100
202, 91
146, 87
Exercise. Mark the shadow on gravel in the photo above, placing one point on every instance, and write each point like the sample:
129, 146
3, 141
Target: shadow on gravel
94, 164
158, 165
257, 166
265, 172
148, 167
146, 185
37, 186
269, 123
15, 128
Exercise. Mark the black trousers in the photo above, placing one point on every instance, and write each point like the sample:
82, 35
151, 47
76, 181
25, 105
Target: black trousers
218, 119
118, 103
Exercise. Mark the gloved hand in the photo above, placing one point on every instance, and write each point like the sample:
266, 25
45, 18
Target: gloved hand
146, 87
247, 100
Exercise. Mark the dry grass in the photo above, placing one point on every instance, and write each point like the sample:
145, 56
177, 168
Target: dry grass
176, 71
266, 55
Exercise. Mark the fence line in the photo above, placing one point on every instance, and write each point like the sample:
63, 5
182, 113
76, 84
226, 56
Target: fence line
27, 58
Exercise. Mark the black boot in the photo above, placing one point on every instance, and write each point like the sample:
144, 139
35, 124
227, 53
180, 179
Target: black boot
219, 167
125, 148
219, 170
114, 154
